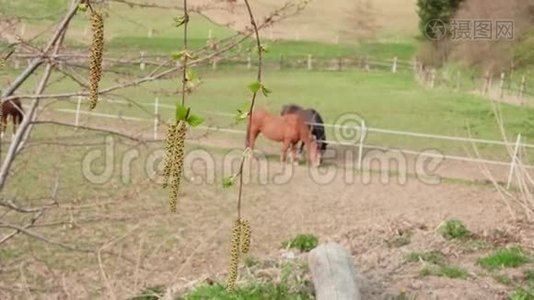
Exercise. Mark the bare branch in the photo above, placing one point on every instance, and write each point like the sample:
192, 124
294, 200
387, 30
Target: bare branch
133, 138
25, 127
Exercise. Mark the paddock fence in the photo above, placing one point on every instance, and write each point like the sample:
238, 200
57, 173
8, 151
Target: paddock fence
506, 86
360, 143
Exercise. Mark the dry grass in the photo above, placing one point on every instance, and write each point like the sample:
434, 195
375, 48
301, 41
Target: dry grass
327, 21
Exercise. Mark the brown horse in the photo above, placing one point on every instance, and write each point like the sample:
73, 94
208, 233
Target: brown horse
14, 109
288, 129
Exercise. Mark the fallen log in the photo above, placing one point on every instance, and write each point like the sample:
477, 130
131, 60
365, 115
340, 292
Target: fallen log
334, 275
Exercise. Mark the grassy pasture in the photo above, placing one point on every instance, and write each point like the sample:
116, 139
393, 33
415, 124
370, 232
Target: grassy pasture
383, 100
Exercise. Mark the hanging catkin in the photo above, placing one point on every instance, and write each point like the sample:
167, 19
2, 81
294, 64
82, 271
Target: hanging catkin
245, 236
174, 162
95, 57
234, 255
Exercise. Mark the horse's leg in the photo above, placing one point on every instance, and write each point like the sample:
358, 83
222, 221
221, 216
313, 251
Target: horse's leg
3, 125
283, 157
15, 121
301, 149
252, 141
294, 154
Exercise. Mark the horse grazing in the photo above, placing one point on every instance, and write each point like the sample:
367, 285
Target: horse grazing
288, 129
14, 109
315, 123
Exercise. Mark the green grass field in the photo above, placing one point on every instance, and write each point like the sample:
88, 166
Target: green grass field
384, 100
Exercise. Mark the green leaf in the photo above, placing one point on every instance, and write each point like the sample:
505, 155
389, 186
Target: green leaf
179, 21
242, 113
178, 55
195, 120
191, 75
254, 87
265, 91
82, 7
264, 48
228, 181
181, 112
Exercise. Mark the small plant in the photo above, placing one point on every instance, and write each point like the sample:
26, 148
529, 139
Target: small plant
433, 257
399, 241
444, 271
522, 294
150, 293
529, 277
254, 290
303, 242
250, 261
454, 229
403, 295
436, 265
474, 245
503, 279
504, 258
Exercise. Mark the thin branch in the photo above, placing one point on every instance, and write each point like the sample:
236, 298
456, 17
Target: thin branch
42, 238
227, 44
9, 203
133, 138
25, 126
252, 102
39, 60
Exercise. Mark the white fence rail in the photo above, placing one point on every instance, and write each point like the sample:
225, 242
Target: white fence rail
360, 143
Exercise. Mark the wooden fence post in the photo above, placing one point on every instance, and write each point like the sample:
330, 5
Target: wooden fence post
309, 61
501, 86
394, 67
77, 118
22, 29
340, 63
142, 63
432, 78
249, 63
281, 61
156, 118
522, 87
514, 159
363, 134
214, 64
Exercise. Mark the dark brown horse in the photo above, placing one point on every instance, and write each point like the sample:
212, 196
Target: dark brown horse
288, 129
14, 109
314, 121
